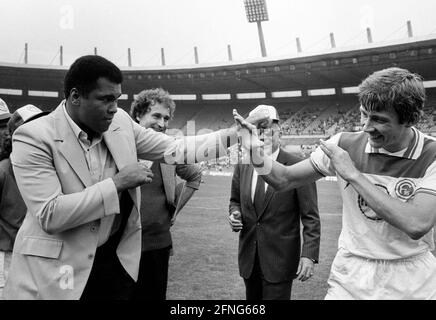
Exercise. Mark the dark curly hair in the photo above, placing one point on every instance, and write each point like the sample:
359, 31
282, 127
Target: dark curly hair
146, 98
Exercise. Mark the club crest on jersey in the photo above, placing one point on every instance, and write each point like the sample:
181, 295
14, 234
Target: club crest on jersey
366, 210
405, 188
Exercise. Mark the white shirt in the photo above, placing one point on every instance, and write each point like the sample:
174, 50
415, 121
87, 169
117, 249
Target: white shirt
274, 156
101, 166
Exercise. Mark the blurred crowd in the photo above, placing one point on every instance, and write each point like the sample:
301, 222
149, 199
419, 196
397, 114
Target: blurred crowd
340, 120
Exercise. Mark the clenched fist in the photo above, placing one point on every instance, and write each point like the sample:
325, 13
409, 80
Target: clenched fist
132, 176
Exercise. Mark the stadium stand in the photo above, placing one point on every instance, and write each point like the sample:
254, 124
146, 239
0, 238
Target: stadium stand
285, 83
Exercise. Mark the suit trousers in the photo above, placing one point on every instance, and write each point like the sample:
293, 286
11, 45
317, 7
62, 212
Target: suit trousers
257, 288
153, 275
108, 279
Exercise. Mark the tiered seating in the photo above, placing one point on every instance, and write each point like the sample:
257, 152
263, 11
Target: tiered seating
300, 117
184, 112
304, 118
214, 116
428, 122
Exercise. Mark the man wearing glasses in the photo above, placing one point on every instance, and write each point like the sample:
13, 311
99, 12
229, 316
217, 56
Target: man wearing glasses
269, 223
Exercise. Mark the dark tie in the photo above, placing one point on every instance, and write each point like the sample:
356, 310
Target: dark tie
259, 195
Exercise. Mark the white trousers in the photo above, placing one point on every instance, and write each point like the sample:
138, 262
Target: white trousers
353, 277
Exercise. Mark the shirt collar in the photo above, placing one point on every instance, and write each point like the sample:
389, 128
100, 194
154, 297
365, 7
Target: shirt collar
78, 133
413, 151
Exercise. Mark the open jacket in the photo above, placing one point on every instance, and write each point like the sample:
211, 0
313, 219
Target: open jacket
66, 213
275, 232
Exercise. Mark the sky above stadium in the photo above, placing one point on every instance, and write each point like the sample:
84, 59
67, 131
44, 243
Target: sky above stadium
178, 26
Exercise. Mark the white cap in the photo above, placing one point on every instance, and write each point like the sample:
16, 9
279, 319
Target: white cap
28, 111
4, 110
267, 110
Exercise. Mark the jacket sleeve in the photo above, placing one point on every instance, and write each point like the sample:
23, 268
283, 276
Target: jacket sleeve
40, 186
191, 174
308, 204
185, 190
235, 196
152, 145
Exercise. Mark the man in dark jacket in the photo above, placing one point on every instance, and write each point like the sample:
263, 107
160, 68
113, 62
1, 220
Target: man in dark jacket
161, 200
269, 221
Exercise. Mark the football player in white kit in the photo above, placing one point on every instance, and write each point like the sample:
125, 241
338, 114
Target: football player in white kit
387, 177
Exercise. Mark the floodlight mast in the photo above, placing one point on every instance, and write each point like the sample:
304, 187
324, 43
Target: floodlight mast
256, 12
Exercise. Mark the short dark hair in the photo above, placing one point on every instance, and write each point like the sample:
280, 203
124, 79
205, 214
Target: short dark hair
394, 89
85, 71
147, 98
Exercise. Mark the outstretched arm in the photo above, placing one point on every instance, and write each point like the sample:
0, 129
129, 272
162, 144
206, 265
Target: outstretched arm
280, 177
152, 145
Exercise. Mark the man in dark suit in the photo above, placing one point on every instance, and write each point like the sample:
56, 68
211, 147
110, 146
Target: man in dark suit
269, 221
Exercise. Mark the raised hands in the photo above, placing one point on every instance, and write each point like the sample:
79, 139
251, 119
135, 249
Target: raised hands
247, 129
340, 159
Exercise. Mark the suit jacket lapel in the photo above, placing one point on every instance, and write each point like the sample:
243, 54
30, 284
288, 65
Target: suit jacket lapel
169, 181
116, 146
120, 152
70, 148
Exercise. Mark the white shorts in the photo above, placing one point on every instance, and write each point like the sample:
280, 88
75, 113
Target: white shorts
353, 277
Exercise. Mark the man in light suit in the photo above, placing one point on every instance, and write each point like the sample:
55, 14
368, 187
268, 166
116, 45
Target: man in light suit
161, 201
77, 170
269, 221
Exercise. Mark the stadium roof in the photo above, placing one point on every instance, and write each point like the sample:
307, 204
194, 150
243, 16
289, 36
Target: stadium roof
333, 69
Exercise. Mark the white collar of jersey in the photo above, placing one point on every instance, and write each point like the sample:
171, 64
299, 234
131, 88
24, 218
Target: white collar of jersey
413, 151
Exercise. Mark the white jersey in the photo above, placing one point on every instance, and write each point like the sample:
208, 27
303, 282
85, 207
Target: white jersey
401, 175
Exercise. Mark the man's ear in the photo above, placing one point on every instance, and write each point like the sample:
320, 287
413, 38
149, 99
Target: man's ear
414, 119
75, 96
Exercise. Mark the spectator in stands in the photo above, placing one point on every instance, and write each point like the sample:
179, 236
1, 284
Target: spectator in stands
78, 174
269, 243
161, 200
387, 177
12, 207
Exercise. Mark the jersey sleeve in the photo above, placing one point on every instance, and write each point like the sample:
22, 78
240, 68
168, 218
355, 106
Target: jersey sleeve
321, 162
428, 183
